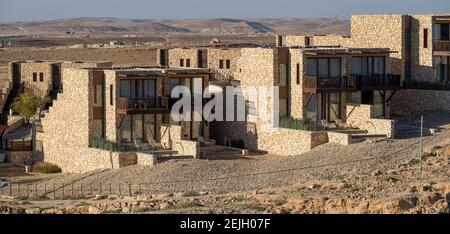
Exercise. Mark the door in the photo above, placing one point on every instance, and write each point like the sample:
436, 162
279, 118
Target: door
56, 78
367, 97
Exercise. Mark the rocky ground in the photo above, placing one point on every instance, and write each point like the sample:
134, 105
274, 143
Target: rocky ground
368, 177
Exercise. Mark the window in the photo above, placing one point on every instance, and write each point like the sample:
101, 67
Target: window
368, 66
298, 73
111, 95
311, 68
323, 67
181, 62
41, 77
228, 64
34, 76
425, 38
188, 63
221, 64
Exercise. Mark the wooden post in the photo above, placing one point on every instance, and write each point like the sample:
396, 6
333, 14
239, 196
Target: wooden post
82, 193
10, 190
129, 189
100, 186
45, 188
110, 190
35, 189
63, 190
54, 190
72, 188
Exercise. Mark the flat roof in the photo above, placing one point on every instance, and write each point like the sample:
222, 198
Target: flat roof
342, 50
153, 71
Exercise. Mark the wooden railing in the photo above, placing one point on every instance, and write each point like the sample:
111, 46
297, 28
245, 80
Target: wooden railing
17, 145
328, 83
441, 45
386, 81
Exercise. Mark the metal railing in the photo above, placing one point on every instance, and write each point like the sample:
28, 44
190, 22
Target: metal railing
382, 80
329, 82
441, 45
144, 103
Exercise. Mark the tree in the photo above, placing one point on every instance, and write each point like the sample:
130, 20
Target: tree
27, 104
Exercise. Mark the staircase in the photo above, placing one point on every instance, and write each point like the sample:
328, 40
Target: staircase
364, 135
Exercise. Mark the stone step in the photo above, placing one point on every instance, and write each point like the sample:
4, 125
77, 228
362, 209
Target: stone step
368, 135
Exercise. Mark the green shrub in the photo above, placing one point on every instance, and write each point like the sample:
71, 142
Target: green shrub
44, 167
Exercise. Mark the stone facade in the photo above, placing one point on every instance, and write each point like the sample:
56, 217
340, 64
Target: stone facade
37, 76
20, 157
408, 101
65, 137
187, 55
215, 55
362, 117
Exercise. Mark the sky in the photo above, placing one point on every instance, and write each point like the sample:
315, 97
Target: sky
29, 10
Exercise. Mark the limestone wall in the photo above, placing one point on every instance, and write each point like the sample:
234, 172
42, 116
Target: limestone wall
421, 58
183, 53
217, 54
381, 31
339, 138
331, 40
41, 88
407, 101
362, 117
296, 89
281, 141
171, 139
20, 157
295, 40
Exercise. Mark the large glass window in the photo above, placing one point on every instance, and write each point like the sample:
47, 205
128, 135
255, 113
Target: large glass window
356, 66
149, 127
335, 67
368, 66
312, 67
125, 129
324, 67
125, 89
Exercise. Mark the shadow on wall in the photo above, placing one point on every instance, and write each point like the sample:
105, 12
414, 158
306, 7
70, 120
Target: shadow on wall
226, 132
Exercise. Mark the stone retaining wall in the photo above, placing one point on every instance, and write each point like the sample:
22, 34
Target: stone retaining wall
407, 101
20, 157
339, 138
361, 116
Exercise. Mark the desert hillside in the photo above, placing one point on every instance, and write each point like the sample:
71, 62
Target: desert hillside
204, 26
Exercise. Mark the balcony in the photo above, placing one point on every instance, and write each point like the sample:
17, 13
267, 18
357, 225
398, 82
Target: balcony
441, 47
329, 84
378, 82
145, 105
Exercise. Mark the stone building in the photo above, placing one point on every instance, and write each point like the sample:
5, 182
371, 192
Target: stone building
119, 114
43, 77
